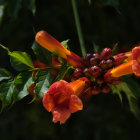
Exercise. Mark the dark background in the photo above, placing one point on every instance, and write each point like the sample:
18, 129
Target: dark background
103, 22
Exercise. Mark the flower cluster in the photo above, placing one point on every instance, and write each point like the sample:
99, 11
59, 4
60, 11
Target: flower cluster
92, 75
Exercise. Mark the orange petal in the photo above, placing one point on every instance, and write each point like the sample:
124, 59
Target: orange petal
123, 69
75, 60
60, 115
129, 55
48, 102
61, 87
77, 86
75, 104
51, 44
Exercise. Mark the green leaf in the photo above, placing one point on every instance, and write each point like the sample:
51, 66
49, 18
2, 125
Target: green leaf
6, 90
41, 54
20, 60
64, 70
16, 89
132, 91
31, 5
1, 12
22, 83
13, 7
114, 3
115, 48
4, 74
43, 82
65, 43
96, 47
2, 1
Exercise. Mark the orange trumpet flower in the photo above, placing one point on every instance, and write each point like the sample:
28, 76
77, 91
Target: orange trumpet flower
132, 66
51, 44
62, 99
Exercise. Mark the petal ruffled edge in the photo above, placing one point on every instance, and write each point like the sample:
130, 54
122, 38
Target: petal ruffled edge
75, 104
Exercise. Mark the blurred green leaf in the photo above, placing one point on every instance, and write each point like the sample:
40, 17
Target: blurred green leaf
20, 60
114, 3
115, 48
1, 12
13, 7
31, 5
43, 82
4, 74
2, 1
41, 54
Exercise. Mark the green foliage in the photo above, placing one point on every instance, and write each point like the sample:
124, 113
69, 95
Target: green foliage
13, 7
31, 5
41, 54
42, 82
132, 91
15, 89
65, 43
4, 74
20, 60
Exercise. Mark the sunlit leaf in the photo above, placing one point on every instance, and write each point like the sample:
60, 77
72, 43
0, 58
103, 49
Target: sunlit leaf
20, 60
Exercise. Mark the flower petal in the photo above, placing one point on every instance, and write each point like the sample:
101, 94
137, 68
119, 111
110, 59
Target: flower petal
75, 104
51, 44
60, 115
48, 102
75, 60
62, 87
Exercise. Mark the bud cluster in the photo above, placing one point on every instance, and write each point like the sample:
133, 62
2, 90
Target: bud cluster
96, 67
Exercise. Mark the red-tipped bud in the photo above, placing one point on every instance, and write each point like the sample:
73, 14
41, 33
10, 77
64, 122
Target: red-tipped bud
78, 73
119, 58
103, 64
95, 59
86, 72
109, 63
87, 58
105, 89
95, 90
106, 53
95, 71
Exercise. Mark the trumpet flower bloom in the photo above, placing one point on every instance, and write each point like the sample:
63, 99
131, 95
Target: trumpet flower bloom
51, 44
131, 66
62, 99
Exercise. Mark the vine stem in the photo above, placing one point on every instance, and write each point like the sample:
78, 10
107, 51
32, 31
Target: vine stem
78, 27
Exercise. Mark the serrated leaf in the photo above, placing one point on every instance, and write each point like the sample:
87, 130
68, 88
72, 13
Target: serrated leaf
41, 54
43, 82
20, 60
13, 7
116, 90
4, 74
31, 5
131, 92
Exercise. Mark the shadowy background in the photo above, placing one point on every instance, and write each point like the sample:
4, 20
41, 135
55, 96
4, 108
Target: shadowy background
104, 22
